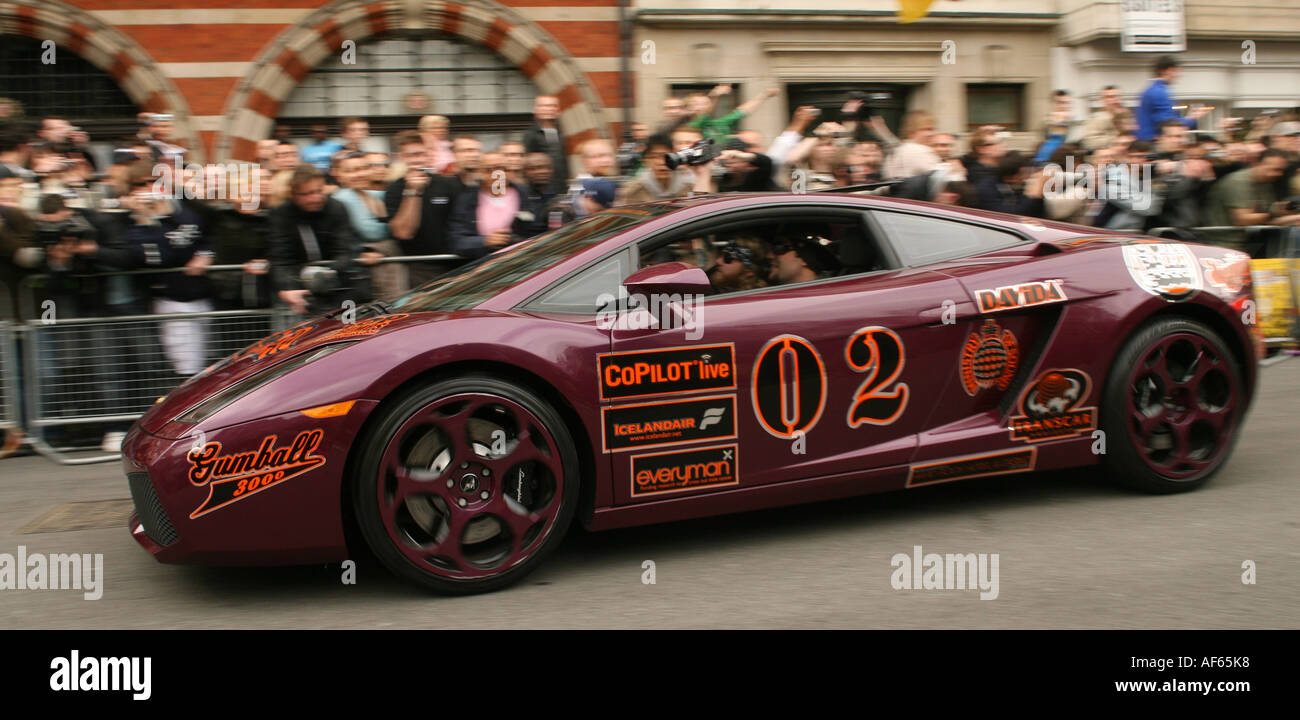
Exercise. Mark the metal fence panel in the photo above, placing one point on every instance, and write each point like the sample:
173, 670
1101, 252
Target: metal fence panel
113, 369
9, 412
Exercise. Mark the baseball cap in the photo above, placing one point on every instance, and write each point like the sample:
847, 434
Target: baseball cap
602, 190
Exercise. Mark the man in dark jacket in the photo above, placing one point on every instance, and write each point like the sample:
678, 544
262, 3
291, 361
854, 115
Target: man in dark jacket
419, 208
544, 136
313, 229
538, 195
489, 217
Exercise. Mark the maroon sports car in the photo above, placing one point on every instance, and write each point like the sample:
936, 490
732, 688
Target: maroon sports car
600, 372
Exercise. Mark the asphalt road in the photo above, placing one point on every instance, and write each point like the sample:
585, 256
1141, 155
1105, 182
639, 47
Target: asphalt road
1072, 553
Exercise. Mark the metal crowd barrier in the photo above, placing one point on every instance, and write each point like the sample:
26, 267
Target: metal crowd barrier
9, 411
102, 373
109, 371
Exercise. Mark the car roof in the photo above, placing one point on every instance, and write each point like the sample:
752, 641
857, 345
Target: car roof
1029, 226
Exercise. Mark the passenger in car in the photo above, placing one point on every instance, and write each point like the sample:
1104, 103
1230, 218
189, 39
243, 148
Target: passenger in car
796, 260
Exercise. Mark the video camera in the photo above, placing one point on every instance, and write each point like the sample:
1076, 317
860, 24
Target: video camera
701, 153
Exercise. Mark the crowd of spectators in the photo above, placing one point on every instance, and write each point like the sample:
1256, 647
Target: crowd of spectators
346, 204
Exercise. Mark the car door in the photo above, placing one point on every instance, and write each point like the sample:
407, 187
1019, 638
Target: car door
1006, 315
783, 383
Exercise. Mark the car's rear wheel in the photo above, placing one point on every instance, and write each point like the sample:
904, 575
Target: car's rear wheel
1172, 407
467, 484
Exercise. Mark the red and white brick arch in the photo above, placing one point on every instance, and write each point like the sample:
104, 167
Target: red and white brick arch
109, 49
252, 107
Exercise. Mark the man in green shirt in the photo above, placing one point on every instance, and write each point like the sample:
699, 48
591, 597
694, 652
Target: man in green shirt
1245, 197
719, 128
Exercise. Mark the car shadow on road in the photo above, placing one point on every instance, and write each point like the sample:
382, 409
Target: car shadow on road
980, 497
584, 552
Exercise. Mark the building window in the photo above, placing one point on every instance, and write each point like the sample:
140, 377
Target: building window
72, 87
889, 101
402, 76
995, 104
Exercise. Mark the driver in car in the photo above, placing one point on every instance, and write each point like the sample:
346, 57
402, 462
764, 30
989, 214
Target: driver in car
742, 265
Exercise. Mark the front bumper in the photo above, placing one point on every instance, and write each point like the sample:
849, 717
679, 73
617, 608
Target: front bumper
297, 519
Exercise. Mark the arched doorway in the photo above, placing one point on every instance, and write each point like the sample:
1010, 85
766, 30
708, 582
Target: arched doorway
86, 42
399, 76
261, 94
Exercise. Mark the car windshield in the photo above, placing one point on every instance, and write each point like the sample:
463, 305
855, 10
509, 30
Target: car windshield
475, 282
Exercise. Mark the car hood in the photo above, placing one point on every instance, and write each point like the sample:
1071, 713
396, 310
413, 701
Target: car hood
273, 350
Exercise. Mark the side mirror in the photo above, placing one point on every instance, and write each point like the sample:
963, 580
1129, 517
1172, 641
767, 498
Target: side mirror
670, 278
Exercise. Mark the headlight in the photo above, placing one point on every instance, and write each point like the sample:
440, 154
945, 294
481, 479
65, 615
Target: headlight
220, 399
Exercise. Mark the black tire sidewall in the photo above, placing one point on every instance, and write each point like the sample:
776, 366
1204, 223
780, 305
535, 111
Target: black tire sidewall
365, 477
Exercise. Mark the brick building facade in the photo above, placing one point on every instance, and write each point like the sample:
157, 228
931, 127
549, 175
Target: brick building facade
224, 68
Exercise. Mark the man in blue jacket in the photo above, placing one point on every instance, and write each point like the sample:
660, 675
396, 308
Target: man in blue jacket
1157, 106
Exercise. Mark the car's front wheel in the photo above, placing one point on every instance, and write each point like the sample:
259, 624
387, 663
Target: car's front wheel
466, 484
1172, 406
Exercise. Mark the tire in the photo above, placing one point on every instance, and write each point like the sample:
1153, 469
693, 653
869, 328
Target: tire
1172, 406
466, 484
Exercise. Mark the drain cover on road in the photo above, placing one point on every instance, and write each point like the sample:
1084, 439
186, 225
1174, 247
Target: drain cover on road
90, 515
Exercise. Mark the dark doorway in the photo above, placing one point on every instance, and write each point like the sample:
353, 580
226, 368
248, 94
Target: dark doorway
887, 100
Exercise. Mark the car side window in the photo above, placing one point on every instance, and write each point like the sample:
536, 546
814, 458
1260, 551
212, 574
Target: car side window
588, 290
770, 252
922, 240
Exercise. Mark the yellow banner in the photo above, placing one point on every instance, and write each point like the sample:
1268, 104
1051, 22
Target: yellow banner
1275, 299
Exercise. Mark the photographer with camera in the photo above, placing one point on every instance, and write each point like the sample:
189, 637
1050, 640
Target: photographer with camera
814, 157
313, 249
166, 233
1181, 181
630, 152
63, 138
489, 218
419, 206
658, 181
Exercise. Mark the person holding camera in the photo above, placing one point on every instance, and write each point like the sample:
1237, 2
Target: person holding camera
1181, 181
814, 158
164, 233
488, 219
419, 207
313, 249
657, 181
